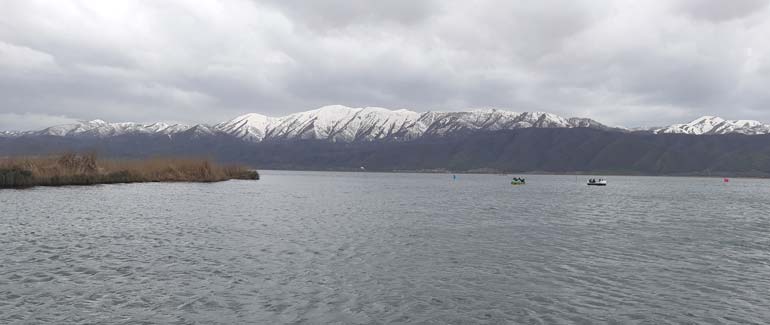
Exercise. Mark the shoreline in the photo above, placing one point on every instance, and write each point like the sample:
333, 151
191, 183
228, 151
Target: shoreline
542, 173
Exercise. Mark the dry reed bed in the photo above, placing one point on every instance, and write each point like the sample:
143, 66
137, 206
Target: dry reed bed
86, 169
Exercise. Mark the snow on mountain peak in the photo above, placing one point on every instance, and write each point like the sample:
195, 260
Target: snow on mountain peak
716, 125
101, 128
250, 126
339, 123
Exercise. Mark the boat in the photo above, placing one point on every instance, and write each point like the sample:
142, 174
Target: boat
518, 181
597, 182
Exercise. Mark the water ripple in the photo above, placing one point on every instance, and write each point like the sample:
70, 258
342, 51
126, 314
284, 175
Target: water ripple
359, 248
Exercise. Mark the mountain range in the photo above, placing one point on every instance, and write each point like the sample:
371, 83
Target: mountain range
338, 123
484, 140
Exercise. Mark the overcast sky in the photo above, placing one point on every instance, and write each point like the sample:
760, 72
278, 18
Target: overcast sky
628, 63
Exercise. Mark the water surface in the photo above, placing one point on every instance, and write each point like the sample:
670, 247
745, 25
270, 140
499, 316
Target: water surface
379, 248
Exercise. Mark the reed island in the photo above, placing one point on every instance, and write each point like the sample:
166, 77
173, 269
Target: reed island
88, 169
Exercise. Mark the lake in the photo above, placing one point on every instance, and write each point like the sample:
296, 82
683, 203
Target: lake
321, 247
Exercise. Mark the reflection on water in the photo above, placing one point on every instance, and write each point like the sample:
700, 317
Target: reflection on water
367, 247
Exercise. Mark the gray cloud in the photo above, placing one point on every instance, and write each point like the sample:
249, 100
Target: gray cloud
322, 15
719, 10
622, 62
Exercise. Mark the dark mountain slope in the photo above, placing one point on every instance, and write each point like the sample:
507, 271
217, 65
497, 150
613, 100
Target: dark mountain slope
557, 150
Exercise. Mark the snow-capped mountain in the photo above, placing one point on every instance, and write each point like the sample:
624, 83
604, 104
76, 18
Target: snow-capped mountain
717, 125
333, 123
338, 123
344, 124
99, 128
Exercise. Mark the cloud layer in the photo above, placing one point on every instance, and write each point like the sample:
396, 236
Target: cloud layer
622, 62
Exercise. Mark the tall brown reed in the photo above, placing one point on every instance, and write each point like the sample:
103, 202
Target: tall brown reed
87, 169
